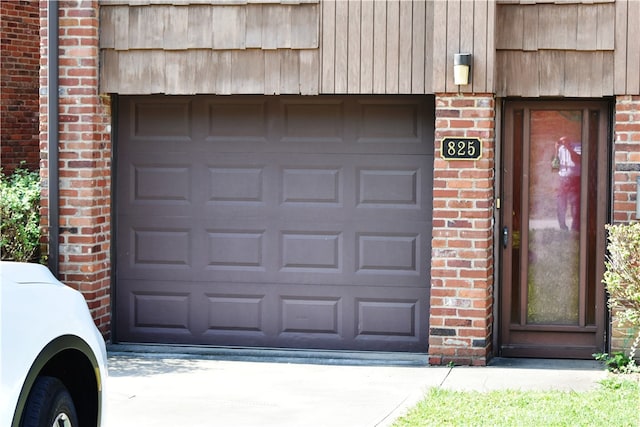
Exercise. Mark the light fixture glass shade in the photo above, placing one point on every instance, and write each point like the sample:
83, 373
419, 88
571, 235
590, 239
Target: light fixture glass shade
461, 68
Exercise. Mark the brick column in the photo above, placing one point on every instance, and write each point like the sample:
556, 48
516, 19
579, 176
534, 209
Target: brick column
461, 318
626, 171
627, 158
85, 157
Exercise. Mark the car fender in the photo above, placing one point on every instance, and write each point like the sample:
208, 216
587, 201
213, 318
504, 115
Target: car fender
55, 347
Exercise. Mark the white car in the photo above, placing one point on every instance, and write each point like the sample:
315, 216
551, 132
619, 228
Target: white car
53, 362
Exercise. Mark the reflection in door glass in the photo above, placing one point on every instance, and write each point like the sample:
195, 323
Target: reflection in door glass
554, 217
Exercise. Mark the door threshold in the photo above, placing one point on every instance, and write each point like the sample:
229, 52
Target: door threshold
546, 363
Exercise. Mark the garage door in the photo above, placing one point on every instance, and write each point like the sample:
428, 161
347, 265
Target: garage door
299, 222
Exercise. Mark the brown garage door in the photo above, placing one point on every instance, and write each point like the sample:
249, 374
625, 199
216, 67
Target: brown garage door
274, 221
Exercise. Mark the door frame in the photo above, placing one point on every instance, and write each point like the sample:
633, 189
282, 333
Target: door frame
503, 258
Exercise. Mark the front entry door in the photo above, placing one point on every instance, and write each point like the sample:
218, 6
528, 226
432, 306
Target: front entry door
554, 207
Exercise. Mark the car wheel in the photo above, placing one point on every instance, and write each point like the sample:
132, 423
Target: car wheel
49, 404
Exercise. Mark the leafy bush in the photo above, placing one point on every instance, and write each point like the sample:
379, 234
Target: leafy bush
622, 275
618, 362
20, 215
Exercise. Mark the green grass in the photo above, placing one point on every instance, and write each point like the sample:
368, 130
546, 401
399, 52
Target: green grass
615, 403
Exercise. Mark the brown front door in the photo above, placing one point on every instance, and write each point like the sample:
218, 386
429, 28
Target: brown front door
554, 209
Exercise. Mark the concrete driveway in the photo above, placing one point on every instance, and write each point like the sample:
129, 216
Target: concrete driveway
185, 390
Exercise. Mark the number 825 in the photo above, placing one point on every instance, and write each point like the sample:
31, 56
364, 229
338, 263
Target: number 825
461, 148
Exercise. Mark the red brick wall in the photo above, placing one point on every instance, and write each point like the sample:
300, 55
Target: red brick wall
627, 158
19, 68
626, 170
85, 157
462, 255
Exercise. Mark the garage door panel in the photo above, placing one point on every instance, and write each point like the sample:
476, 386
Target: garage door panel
235, 180
395, 316
332, 181
386, 123
388, 253
394, 182
311, 185
308, 252
235, 313
236, 250
319, 315
392, 319
155, 248
287, 251
275, 221
298, 125
168, 120
236, 184
161, 247
147, 188
397, 188
392, 252
237, 120
152, 312
166, 311
153, 183
313, 122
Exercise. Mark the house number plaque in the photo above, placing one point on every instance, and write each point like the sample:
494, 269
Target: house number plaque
461, 149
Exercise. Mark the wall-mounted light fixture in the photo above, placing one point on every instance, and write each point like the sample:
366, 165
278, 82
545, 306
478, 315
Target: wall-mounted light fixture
461, 68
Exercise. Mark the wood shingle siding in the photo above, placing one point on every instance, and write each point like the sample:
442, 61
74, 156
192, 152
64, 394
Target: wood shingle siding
218, 27
566, 27
576, 49
207, 2
162, 47
208, 71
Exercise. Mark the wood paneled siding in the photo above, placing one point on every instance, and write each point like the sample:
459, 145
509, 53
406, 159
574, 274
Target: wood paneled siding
578, 49
464, 26
627, 54
220, 47
376, 46
404, 46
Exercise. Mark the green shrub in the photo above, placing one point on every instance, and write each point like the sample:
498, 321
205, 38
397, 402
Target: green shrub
622, 275
20, 215
618, 362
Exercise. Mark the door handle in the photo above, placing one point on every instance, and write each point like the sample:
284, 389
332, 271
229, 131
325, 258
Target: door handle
505, 237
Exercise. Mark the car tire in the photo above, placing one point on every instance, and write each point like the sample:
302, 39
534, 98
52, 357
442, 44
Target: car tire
49, 404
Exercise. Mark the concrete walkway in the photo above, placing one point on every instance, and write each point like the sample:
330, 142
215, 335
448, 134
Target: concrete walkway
160, 389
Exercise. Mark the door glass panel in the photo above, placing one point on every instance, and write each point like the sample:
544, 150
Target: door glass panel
516, 220
553, 274
593, 228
